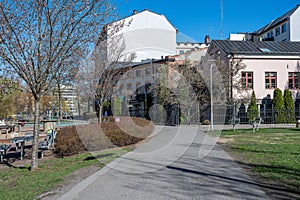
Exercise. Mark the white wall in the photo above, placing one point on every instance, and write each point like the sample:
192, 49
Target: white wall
237, 36
259, 67
295, 25
188, 46
149, 35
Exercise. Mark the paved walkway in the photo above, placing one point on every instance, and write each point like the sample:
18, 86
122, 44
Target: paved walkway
176, 163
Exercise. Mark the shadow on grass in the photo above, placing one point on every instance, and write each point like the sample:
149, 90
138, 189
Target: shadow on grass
272, 168
10, 162
262, 151
98, 157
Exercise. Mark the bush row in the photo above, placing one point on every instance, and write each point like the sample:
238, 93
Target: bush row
95, 137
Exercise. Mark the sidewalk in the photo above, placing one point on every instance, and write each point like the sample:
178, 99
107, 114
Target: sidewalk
177, 163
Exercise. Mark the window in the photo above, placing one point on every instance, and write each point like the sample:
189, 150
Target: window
277, 31
294, 80
247, 80
138, 73
283, 28
270, 34
181, 51
148, 71
270, 80
265, 50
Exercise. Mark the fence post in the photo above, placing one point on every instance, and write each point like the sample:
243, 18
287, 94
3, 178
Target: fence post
273, 116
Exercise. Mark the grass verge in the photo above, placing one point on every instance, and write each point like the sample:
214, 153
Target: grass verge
272, 154
21, 183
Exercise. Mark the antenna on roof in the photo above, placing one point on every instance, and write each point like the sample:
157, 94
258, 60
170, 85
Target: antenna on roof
221, 23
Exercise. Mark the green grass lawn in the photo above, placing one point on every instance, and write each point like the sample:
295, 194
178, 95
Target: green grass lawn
21, 183
273, 154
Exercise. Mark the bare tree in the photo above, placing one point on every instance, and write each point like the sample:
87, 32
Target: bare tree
38, 38
101, 70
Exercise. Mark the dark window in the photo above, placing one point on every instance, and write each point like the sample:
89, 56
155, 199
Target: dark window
283, 28
148, 71
247, 80
181, 51
277, 31
270, 80
294, 80
138, 73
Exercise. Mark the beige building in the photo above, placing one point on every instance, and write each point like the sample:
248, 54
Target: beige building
268, 65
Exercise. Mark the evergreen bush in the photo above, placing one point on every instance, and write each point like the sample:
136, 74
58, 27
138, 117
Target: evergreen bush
278, 106
252, 111
289, 106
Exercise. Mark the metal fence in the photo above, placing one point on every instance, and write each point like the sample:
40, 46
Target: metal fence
234, 114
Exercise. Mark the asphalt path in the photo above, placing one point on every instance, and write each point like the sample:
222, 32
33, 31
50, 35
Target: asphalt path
175, 163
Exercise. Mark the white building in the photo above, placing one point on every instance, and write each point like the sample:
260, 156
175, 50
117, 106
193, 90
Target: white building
185, 47
69, 97
147, 34
284, 28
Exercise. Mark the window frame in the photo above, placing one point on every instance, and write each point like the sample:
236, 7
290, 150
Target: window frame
148, 71
283, 28
138, 73
269, 79
277, 31
294, 78
245, 79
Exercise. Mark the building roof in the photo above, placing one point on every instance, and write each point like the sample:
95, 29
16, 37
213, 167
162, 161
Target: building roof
277, 21
258, 47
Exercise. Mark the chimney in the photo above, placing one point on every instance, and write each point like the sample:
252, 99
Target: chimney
135, 12
207, 39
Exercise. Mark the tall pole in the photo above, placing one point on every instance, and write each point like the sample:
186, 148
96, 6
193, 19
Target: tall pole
211, 100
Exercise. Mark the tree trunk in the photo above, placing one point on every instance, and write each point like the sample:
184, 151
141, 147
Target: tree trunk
100, 114
59, 104
79, 110
35, 141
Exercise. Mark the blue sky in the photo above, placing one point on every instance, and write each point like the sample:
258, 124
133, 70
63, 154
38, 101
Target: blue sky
196, 18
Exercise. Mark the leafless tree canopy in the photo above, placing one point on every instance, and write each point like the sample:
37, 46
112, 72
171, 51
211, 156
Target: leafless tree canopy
38, 38
41, 37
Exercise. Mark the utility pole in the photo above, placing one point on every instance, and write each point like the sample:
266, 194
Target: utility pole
211, 99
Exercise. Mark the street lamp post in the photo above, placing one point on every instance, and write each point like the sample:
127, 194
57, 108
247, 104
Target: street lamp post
211, 100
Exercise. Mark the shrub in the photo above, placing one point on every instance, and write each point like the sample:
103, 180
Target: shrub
73, 140
127, 131
278, 106
206, 122
252, 111
289, 106
67, 142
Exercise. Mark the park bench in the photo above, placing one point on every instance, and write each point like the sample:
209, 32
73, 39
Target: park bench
48, 142
20, 142
3, 150
256, 123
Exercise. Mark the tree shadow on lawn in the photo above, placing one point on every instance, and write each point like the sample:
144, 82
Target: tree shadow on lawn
98, 156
